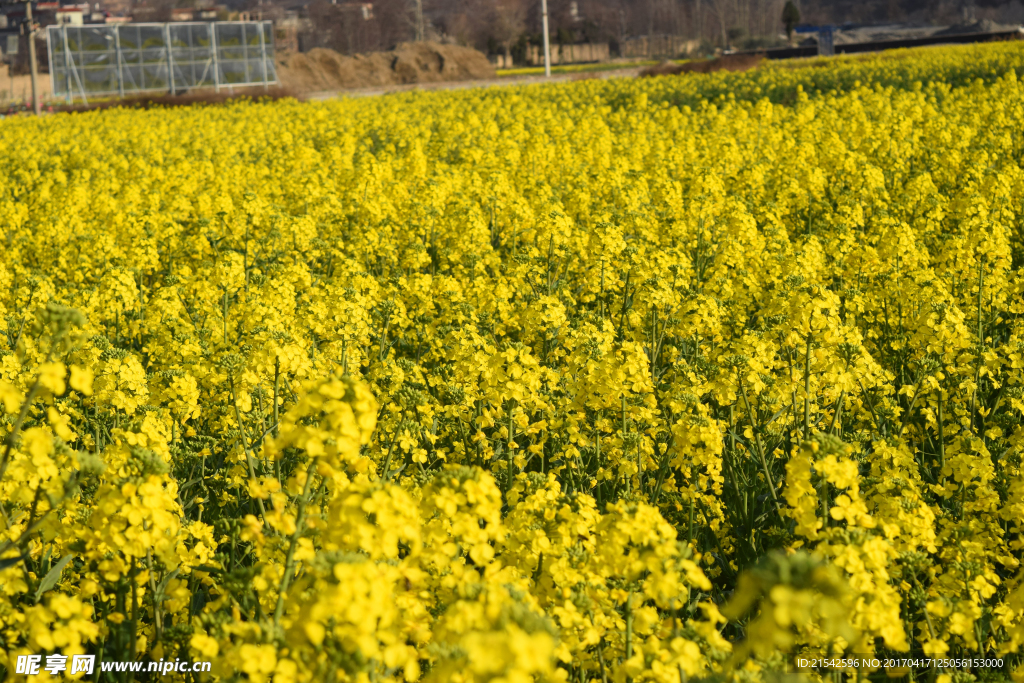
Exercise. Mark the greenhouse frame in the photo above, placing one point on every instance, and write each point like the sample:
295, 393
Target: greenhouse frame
175, 57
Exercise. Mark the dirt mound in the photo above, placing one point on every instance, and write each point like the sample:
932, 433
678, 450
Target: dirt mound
983, 26
704, 66
879, 34
427, 62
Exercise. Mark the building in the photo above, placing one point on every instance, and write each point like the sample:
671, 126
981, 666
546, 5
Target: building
198, 14
69, 16
287, 28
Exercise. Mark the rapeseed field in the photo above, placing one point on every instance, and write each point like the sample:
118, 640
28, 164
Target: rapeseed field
661, 380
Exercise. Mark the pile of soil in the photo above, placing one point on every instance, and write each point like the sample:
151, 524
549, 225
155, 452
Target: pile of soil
983, 26
873, 34
426, 62
704, 66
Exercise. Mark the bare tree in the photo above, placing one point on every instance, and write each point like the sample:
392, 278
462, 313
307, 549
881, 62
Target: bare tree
340, 27
508, 22
396, 23
724, 13
419, 27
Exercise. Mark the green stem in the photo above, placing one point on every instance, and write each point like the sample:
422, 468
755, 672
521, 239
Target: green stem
277, 379
981, 348
838, 410
760, 452
942, 440
807, 390
289, 563
133, 628
629, 626
13, 436
245, 445
157, 607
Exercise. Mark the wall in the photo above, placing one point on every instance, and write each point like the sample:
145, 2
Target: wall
569, 54
19, 88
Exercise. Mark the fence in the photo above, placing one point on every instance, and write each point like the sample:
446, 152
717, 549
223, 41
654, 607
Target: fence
657, 46
130, 58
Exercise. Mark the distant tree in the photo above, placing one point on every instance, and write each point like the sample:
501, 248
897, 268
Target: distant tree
725, 13
519, 49
790, 18
508, 22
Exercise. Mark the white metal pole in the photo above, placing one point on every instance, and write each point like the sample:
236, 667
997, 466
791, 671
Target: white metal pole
69, 62
32, 58
170, 57
49, 61
216, 64
547, 40
78, 78
117, 56
263, 54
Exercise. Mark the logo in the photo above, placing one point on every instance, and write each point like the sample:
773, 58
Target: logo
80, 664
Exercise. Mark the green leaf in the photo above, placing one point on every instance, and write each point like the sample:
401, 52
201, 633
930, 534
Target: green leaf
9, 562
162, 586
52, 576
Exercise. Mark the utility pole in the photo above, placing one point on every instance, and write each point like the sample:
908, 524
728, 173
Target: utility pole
547, 39
32, 58
700, 26
420, 30
650, 29
31, 34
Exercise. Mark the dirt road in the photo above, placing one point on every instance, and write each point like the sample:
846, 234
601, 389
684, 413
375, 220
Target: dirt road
631, 72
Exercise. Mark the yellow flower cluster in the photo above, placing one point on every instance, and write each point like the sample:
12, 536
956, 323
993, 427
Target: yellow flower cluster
604, 381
